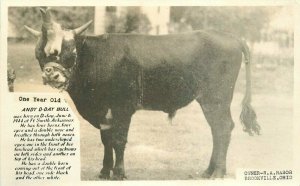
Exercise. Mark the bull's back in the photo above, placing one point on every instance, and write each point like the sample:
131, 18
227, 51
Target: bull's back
179, 49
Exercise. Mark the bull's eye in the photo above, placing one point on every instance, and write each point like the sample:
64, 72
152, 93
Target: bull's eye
68, 53
54, 52
68, 59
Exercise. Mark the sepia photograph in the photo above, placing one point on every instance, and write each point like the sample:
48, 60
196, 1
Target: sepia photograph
165, 92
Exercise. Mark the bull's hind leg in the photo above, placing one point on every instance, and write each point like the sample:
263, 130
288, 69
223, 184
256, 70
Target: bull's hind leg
219, 118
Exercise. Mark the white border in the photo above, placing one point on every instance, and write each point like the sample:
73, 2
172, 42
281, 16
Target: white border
5, 96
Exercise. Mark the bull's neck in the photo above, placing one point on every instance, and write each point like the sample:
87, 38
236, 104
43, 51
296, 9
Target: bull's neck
75, 81
73, 88
87, 78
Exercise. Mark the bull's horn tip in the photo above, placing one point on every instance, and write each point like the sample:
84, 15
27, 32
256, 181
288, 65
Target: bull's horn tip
42, 10
82, 28
32, 31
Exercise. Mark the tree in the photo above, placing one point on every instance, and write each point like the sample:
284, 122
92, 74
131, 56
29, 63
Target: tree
68, 17
245, 22
130, 21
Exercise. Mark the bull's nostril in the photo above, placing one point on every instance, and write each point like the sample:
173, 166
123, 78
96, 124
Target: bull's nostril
48, 69
56, 76
54, 52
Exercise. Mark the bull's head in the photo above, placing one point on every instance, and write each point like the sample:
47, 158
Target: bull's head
56, 50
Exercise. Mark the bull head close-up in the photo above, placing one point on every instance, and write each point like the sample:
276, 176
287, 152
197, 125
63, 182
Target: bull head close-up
56, 50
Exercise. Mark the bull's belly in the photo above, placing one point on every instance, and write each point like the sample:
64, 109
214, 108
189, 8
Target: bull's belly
168, 93
167, 105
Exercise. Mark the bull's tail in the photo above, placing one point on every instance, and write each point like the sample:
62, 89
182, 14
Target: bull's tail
248, 115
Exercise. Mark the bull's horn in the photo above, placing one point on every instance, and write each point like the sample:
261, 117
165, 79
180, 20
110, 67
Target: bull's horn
34, 32
81, 29
46, 15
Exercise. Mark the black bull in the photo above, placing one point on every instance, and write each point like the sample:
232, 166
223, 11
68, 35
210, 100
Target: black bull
114, 75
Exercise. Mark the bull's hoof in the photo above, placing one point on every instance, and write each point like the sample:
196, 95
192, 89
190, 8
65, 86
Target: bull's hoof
118, 174
119, 177
206, 175
104, 174
216, 174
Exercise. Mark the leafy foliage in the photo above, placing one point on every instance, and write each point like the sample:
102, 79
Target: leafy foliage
131, 21
73, 17
68, 17
242, 21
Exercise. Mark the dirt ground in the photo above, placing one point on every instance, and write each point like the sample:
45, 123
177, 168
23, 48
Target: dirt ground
157, 150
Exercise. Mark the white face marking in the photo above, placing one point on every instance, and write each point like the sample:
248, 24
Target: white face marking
68, 35
55, 37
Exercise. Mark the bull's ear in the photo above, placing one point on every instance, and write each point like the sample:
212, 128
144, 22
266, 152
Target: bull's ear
32, 31
81, 29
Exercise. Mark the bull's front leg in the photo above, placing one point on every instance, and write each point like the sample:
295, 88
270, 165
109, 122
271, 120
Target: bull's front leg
106, 138
121, 121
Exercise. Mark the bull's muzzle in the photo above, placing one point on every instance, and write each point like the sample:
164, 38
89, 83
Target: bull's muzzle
54, 75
